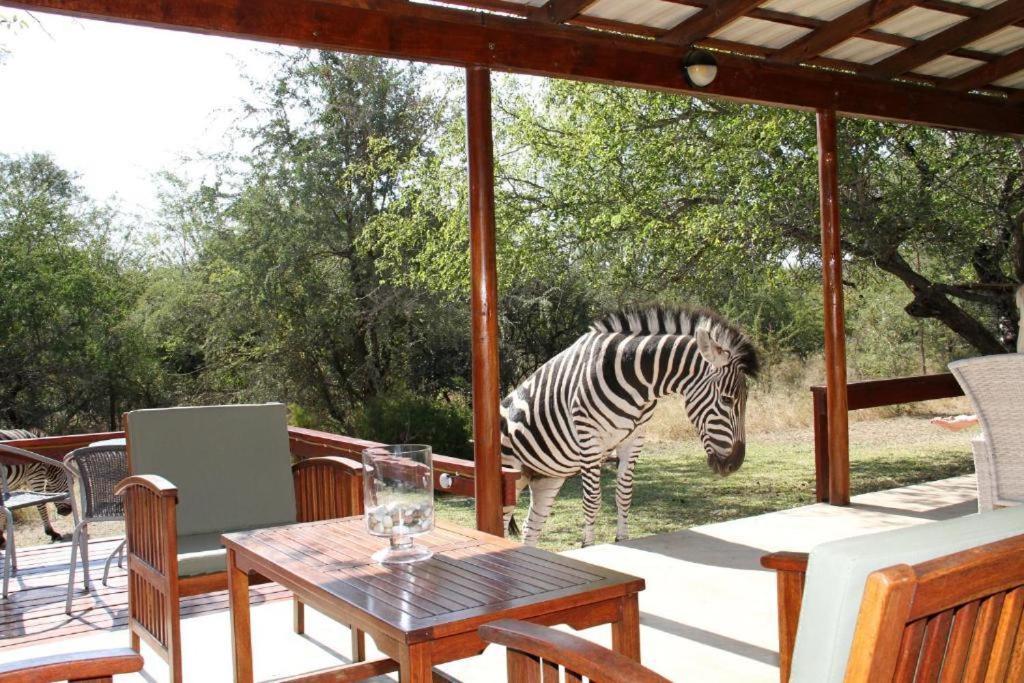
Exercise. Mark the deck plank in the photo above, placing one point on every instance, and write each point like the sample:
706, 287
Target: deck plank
34, 611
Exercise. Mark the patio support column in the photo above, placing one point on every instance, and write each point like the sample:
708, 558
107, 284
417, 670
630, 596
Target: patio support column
484, 285
835, 325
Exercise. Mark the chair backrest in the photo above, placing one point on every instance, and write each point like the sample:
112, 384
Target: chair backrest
95, 472
231, 464
995, 386
538, 653
837, 573
957, 616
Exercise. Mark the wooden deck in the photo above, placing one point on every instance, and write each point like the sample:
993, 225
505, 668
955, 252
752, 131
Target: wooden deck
34, 610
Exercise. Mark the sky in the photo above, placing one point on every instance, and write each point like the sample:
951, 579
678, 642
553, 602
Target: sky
117, 104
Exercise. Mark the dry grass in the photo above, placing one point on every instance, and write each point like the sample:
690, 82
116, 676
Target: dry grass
780, 400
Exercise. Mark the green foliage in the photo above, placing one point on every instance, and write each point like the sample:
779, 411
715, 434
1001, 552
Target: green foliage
72, 353
400, 416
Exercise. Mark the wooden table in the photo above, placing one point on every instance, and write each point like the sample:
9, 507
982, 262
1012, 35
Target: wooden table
426, 613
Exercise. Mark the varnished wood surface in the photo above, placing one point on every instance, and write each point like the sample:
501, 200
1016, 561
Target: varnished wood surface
446, 35
34, 612
871, 393
835, 318
93, 666
472, 576
484, 302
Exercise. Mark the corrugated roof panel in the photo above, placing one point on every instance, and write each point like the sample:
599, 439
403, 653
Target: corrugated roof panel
862, 50
1014, 80
983, 4
759, 32
819, 9
948, 66
646, 12
1003, 41
919, 23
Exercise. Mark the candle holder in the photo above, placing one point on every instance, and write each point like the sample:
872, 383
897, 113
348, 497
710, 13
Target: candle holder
399, 499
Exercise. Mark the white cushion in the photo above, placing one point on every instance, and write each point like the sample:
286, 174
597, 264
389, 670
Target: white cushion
838, 570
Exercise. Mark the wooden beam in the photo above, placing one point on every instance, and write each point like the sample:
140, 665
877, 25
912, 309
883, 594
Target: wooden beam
708, 20
835, 321
946, 41
987, 73
559, 11
484, 276
444, 35
836, 31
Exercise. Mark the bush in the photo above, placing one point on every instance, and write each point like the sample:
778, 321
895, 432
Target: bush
403, 417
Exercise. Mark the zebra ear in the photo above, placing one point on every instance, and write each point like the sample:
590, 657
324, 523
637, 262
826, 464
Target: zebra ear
711, 350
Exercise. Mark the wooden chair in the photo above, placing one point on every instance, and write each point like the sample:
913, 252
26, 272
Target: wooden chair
536, 653
951, 616
230, 468
97, 666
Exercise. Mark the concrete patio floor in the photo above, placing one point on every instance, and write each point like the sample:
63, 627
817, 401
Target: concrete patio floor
708, 613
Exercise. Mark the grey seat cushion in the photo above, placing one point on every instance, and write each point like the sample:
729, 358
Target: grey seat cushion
201, 554
231, 464
837, 572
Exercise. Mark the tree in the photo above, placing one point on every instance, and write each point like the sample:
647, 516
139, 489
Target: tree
71, 355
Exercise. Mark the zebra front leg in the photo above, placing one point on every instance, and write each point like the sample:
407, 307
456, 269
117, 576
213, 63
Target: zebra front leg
591, 501
543, 491
509, 510
624, 487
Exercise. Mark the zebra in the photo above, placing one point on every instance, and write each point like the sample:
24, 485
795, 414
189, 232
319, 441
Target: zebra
594, 399
35, 477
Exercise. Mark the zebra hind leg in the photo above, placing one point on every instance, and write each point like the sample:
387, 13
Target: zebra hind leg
44, 515
543, 491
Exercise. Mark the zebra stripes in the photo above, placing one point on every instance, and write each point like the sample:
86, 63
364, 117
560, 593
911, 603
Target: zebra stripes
594, 399
35, 477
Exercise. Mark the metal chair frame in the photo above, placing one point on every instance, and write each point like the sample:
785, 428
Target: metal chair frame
93, 500
16, 500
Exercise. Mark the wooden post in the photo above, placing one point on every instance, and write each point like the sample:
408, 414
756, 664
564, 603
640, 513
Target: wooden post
484, 285
835, 329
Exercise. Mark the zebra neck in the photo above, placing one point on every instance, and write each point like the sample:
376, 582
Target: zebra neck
685, 368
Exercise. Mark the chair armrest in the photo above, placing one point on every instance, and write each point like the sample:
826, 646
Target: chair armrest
153, 483
785, 562
76, 666
327, 487
791, 570
21, 456
574, 653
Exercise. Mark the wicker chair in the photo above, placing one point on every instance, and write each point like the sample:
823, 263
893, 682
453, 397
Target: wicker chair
995, 386
96, 666
537, 652
16, 500
93, 474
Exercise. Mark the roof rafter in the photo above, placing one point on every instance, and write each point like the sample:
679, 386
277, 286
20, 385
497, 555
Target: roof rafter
847, 26
445, 35
946, 41
717, 14
559, 11
987, 73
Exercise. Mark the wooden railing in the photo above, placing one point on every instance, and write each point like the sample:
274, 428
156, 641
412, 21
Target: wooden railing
871, 393
306, 443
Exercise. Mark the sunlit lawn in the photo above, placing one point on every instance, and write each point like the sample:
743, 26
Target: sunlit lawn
675, 489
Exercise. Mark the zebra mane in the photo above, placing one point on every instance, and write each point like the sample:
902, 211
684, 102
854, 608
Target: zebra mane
683, 320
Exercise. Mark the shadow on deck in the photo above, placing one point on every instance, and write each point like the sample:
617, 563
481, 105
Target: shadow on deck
34, 610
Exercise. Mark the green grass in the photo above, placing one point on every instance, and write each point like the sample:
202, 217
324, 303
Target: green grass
675, 489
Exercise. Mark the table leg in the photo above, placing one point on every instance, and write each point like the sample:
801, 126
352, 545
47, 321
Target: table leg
414, 664
241, 636
626, 631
